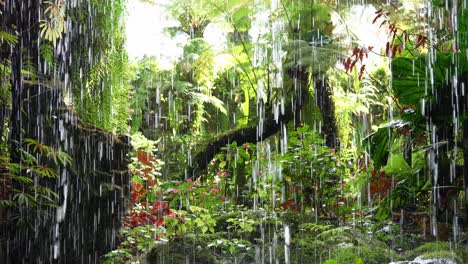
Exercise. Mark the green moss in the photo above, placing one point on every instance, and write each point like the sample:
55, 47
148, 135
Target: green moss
362, 254
443, 254
427, 248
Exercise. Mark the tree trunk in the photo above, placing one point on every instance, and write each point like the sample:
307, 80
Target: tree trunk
325, 103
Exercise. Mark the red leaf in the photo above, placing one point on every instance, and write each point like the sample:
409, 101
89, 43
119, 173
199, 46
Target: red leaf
171, 215
159, 206
182, 217
138, 220
145, 157
394, 50
361, 72
152, 218
133, 223
421, 41
346, 64
387, 48
289, 204
352, 65
376, 17
378, 11
159, 222
143, 214
146, 170
383, 23
355, 51
135, 196
167, 211
394, 32
137, 186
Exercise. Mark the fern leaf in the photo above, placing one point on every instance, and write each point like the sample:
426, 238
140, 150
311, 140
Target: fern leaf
22, 179
10, 39
218, 104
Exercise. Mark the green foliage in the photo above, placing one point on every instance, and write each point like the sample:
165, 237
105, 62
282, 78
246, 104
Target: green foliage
409, 84
302, 54
138, 239
358, 103
315, 171
378, 146
198, 219
5, 86
24, 183
270, 184
244, 224
342, 244
359, 255
47, 53
140, 142
100, 79
462, 29
182, 101
235, 246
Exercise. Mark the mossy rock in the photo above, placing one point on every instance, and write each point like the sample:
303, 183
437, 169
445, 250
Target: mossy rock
443, 254
439, 250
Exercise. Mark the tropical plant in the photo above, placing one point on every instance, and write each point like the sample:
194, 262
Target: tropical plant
53, 26
23, 184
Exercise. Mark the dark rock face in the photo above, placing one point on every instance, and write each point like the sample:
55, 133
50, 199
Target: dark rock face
91, 192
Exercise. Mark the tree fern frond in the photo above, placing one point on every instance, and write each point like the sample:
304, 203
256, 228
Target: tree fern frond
10, 39
218, 104
45, 171
61, 157
22, 179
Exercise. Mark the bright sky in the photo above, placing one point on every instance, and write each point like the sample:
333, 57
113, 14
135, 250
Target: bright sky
144, 26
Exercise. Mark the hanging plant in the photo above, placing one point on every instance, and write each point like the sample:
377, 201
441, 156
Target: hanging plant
53, 26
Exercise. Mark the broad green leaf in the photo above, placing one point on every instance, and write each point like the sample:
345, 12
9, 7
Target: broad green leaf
397, 165
378, 146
